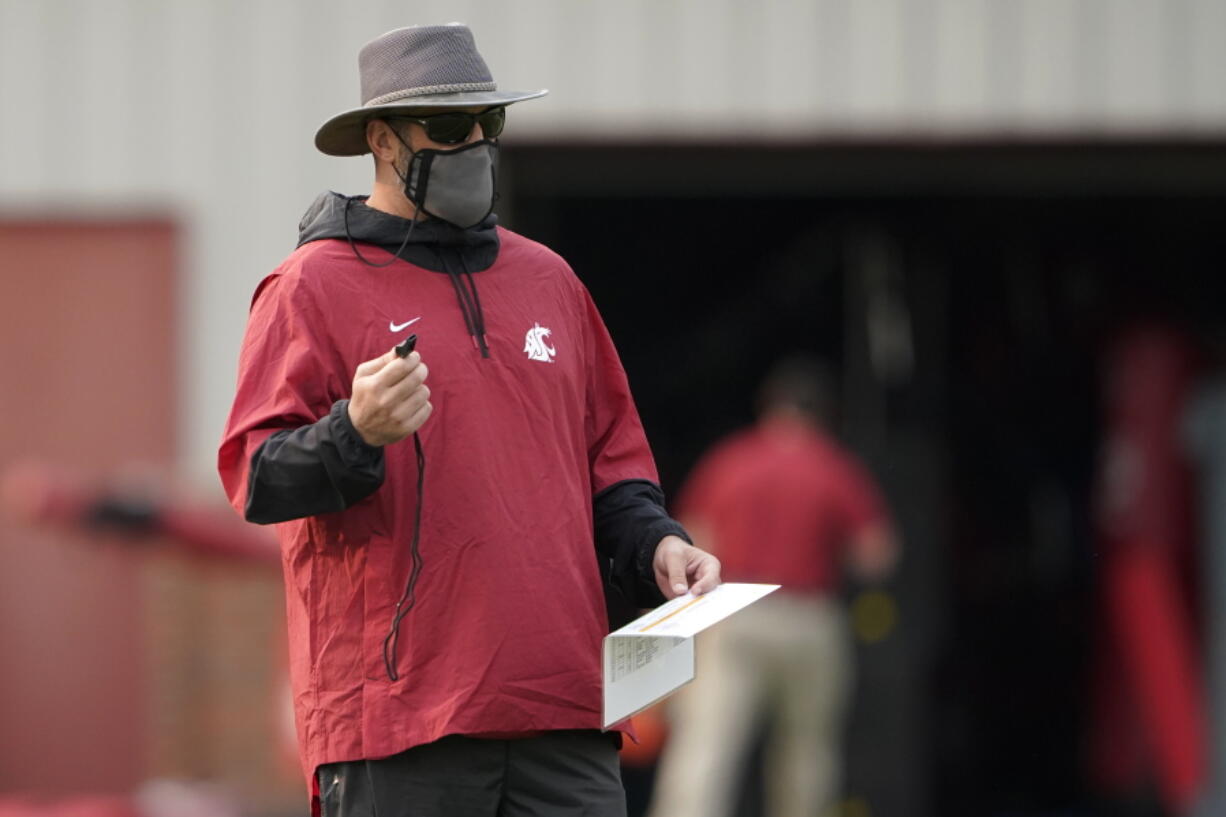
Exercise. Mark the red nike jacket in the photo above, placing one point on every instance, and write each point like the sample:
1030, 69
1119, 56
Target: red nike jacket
505, 635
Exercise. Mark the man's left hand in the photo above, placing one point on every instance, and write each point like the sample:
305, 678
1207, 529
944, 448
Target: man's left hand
681, 567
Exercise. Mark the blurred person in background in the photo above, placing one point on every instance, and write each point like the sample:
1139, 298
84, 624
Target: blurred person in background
781, 502
444, 594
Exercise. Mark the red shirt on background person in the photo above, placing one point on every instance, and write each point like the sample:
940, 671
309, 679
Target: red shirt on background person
780, 503
783, 502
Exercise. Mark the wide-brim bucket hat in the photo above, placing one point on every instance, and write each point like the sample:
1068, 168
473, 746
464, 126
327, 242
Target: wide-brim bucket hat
415, 68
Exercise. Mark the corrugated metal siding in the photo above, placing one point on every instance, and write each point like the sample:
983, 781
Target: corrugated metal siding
208, 106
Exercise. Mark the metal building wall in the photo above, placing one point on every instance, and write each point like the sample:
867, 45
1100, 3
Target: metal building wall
206, 108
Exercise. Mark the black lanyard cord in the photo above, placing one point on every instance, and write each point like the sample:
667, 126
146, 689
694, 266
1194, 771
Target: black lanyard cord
409, 597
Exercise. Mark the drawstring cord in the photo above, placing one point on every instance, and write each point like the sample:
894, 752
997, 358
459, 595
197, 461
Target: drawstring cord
474, 320
466, 294
466, 306
409, 597
353, 245
470, 304
480, 314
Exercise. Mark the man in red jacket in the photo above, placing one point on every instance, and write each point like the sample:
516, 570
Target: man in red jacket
781, 502
444, 595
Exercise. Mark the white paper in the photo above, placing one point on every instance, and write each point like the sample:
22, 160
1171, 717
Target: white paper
653, 656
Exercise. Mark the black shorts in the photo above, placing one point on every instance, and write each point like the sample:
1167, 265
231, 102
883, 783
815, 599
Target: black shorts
572, 773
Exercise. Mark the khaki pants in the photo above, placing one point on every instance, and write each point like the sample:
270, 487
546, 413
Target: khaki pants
787, 659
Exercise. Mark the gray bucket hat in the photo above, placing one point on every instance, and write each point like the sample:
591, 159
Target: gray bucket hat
414, 68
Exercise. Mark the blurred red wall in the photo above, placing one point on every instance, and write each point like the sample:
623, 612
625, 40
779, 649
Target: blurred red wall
86, 327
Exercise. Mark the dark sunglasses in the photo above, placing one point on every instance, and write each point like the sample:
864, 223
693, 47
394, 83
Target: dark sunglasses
453, 127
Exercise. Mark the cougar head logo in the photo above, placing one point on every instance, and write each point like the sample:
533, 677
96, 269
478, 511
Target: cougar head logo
534, 344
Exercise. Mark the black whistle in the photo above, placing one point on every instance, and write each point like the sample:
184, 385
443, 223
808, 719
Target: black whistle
406, 346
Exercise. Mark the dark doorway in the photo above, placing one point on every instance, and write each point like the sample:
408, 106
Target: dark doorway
965, 293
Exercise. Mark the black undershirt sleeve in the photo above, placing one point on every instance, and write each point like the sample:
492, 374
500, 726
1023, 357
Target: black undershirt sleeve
318, 468
630, 520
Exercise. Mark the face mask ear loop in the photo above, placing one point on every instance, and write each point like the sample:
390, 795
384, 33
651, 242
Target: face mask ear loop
412, 223
495, 144
417, 200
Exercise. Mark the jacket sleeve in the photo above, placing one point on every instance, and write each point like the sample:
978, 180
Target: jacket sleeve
318, 468
628, 506
630, 520
289, 450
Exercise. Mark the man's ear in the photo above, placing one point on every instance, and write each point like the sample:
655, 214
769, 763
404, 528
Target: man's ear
382, 142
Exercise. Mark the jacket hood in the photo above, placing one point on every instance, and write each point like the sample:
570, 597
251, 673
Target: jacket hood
433, 244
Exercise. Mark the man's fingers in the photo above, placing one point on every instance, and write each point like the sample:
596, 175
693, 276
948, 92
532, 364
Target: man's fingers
421, 415
706, 576
411, 384
409, 403
369, 367
397, 369
412, 415
389, 393
675, 562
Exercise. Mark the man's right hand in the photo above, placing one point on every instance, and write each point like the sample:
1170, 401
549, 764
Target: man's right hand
390, 398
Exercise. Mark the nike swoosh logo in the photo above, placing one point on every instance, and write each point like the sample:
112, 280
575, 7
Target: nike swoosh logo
397, 327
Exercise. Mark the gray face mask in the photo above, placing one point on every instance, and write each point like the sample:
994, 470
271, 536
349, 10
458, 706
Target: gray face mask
457, 185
